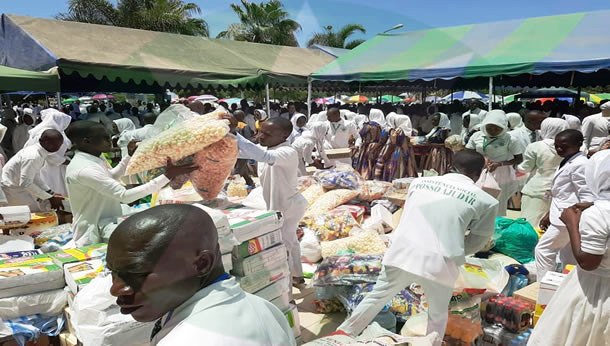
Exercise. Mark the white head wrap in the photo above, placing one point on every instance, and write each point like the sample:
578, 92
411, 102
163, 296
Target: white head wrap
605, 106
377, 116
51, 119
444, 123
550, 127
124, 125
597, 175
495, 117
514, 120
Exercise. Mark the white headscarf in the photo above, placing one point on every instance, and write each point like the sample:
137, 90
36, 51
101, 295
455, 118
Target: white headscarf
550, 127
124, 125
605, 106
322, 116
51, 119
444, 123
400, 121
514, 120
295, 118
475, 122
351, 116
262, 114
597, 175
377, 116
495, 117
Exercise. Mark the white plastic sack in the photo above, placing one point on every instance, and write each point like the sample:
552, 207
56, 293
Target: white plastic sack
255, 200
14, 243
311, 251
48, 303
381, 220
481, 276
98, 321
489, 184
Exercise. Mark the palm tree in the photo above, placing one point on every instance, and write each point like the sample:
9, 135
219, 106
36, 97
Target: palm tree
265, 22
338, 39
174, 16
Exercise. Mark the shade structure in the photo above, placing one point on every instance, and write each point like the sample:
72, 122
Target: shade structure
147, 60
533, 46
603, 96
206, 98
12, 79
391, 99
231, 100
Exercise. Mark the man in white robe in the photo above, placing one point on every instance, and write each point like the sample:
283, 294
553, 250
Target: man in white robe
21, 133
340, 134
430, 252
596, 128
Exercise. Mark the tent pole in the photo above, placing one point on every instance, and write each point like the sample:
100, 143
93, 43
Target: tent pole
58, 100
491, 92
308, 97
241, 94
451, 95
578, 96
267, 94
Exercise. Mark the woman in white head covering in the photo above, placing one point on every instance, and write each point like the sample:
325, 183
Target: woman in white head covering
471, 124
596, 128
21, 134
400, 121
53, 172
377, 116
501, 153
514, 120
260, 116
299, 123
540, 160
579, 312
121, 128
441, 128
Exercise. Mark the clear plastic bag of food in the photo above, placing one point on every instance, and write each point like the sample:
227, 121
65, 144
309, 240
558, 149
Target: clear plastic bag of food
341, 177
237, 189
330, 200
348, 270
408, 302
215, 163
313, 192
371, 190
327, 306
178, 142
331, 225
361, 243
303, 183
172, 116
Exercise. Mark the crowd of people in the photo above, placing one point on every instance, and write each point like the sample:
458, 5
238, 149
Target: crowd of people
552, 154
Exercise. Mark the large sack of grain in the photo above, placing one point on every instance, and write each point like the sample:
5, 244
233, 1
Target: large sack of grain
215, 163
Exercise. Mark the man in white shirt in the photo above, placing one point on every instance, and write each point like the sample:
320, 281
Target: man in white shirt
340, 134
569, 188
474, 108
528, 134
21, 180
166, 266
596, 128
95, 194
278, 174
428, 246
21, 133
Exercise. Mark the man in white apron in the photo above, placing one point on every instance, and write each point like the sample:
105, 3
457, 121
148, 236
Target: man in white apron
340, 134
569, 188
278, 176
428, 246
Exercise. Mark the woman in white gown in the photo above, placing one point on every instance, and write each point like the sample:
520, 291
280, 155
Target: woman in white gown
501, 152
579, 312
541, 161
53, 173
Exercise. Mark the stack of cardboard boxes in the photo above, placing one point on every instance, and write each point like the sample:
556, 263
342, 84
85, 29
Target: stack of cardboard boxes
260, 260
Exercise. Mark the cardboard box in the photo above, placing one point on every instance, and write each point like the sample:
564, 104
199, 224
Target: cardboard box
84, 253
292, 315
529, 293
25, 275
275, 290
282, 302
259, 280
548, 286
268, 259
257, 245
79, 274
341, 153
18, 254
247, 223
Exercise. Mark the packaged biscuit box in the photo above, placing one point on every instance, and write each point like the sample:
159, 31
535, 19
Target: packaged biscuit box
80, 254
259, 280
79, 274
247, 223
258, 244
268, 259
25, 275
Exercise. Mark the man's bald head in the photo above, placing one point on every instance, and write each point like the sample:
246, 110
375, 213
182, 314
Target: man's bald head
333, 115
51, 140
239, 115
533, 119
284, 125
197, 107
469, 162
151, 233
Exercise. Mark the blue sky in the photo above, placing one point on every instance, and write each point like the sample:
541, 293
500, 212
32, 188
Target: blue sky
376, 16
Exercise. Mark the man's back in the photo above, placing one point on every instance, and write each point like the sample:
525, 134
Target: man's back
223, 314
438, 213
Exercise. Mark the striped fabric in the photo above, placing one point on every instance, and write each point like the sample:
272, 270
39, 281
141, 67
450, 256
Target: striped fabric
559, 44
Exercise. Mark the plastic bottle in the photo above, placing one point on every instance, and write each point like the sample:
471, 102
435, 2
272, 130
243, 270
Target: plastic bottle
499, 310
490, 310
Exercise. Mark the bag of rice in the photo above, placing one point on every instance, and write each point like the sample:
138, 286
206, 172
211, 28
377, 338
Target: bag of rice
215, 164
371, 190
362, 243
186, 138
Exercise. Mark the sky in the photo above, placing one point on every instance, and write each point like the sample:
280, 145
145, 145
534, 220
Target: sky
376, 16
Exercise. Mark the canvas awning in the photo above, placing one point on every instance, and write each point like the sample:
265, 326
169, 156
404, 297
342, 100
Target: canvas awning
12, 79
533, 46
130, 57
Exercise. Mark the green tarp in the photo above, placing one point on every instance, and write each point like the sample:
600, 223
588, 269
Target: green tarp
145, 57
12, 79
